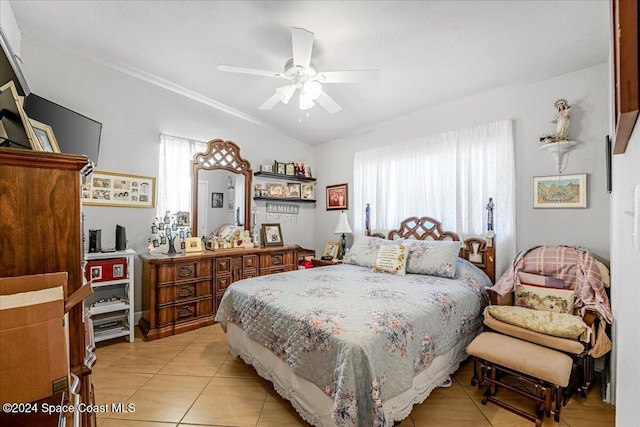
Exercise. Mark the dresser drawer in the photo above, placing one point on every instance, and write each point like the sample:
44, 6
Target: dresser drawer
186, 291
223, 266
192, 270
277, 260
249, 263
187, 311
222, 282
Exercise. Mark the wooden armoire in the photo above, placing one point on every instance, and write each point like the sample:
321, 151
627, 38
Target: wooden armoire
41, 232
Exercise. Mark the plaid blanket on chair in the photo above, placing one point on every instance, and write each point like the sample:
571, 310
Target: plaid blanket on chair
575, 265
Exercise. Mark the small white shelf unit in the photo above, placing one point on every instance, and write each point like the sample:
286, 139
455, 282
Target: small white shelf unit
113, 319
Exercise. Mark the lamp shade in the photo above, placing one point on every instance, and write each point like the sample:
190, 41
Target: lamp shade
312, 89
343, 224
306, 102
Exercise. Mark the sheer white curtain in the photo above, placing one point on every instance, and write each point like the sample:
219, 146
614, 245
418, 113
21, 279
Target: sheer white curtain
449, 177
174, 177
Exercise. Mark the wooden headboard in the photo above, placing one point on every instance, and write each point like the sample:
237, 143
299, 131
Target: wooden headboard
477, 250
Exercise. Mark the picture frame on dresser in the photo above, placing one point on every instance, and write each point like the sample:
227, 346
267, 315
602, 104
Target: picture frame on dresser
331, 249
272, 235
193, 244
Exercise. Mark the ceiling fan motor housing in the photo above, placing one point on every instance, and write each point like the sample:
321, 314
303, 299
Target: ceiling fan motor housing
299, 74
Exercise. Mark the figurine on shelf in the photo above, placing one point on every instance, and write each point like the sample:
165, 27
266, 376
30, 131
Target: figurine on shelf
561, 121
246, 239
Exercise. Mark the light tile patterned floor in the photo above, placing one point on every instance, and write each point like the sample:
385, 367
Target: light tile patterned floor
191, 379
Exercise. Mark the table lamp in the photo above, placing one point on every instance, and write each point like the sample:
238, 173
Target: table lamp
342, 228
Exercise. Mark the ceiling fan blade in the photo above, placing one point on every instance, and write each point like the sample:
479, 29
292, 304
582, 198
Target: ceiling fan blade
351, 76
302, 42
328, 103
270, 103
244, 70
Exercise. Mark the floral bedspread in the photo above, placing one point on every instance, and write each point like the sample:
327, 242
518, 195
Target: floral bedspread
359, 336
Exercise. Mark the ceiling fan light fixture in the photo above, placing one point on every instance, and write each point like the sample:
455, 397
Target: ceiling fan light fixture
306, 102
285, 93
312, 89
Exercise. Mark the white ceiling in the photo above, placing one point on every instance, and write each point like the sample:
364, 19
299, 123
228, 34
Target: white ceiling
428, 52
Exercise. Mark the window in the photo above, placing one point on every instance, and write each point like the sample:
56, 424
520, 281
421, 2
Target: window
174, 176
449, 177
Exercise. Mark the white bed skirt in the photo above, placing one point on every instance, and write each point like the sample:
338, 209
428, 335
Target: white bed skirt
313, 405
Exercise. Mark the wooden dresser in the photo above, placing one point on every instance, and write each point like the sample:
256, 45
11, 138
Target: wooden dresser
41, 232
183, 292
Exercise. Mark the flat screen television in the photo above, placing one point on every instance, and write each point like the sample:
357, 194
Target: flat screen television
75, 133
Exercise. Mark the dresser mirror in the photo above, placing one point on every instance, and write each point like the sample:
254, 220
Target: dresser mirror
224, 177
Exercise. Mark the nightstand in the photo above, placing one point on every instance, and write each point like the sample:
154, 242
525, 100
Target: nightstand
317, 262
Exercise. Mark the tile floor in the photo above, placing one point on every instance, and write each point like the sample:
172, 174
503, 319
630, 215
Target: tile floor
191, 379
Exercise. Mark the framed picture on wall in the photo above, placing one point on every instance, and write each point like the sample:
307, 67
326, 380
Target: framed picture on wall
337, 197
119, 190
560, 191
217, 200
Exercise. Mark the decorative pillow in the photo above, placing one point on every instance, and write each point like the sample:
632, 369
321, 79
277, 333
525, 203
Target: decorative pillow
433, 257
545, 299
545, 322
364, 251
391, 259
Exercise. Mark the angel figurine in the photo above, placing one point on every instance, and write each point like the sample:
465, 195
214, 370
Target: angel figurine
562, 120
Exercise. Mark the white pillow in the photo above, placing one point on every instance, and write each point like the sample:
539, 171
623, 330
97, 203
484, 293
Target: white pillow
391, 259
433, 257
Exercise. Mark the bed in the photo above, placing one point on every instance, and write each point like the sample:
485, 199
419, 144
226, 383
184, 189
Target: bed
349, 345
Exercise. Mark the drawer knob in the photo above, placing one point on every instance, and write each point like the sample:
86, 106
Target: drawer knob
276, 259
185, 291
186, 271
185, 311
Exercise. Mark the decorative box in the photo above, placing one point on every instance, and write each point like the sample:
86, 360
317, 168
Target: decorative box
103, 270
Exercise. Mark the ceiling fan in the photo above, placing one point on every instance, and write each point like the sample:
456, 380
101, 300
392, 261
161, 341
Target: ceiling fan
303, 76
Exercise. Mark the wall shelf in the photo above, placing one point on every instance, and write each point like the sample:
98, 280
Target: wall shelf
282, 199
272, 175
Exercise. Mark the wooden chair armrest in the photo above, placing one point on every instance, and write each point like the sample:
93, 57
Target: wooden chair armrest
497, 299
590, 317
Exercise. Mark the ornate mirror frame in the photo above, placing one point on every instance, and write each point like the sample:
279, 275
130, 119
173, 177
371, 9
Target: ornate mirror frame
223, 155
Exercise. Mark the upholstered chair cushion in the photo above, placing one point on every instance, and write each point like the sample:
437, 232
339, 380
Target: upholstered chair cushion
559, 325
522, 356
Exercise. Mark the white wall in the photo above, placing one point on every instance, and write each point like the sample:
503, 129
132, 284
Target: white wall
625, 289
133, 113
10, 27
531, 108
